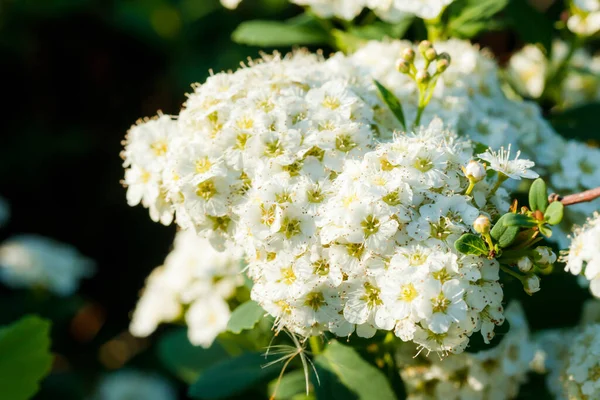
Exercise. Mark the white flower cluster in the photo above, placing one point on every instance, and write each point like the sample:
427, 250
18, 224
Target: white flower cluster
33, 261
389, 10
282, 159
469, 98
134, 384
195, 278
585, 17
584, 253
528, 70
494, 374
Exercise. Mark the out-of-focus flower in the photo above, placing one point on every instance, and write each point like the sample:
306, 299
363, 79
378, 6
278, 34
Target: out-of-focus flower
30, 261
134, 384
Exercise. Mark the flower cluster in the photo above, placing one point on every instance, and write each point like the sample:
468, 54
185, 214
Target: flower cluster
528, 70
584, 253
196, 279
33, 261
388, 10
345, 226
585, 17
469, 98
491, 374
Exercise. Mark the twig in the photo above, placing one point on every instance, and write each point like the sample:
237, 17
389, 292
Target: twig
582, 197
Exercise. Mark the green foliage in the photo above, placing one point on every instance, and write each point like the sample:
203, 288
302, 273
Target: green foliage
362, 378
471, 244
25, 357
554, 213
504, 234
291, 386
381, 30
519, 220
276, 33
346, 42
245, 316
476, 343
392, 102
538, 195
468, 18
531, 25
185, 360
233, 376
578, 122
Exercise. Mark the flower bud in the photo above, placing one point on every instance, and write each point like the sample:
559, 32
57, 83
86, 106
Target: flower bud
424, 46
402, 66
422, 76
545, 255
444, 56
482, 224
409, 55
430, 54
531, 284
441, 66
525, 264
475, 171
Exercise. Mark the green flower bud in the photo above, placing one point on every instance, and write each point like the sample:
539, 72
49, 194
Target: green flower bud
403, 66
531, 284
482, 224
424, 46
409, 55
422, 76
525, 264
430, 54
444, 56
442, 65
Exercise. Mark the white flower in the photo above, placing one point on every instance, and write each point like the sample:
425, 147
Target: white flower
585, 19
206, 319
516, 169
584, 255
29, 261
392, 10
527, 70
134, 384
231, 4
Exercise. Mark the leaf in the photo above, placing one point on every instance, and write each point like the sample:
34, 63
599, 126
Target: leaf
520, 220
275, 33
392, 102
503, 234
368, 382
578, 122
245, 316
185, 360
554, 213
477, 344
471, 244
346, 42
467, 18
292, 384
329, 386
544, 230
531, 25
233, 376
538, 195
25, 357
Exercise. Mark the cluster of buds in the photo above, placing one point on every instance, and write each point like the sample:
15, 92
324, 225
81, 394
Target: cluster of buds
425, 77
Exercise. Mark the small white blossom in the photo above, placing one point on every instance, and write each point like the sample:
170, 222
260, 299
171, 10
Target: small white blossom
516, 169
583, 256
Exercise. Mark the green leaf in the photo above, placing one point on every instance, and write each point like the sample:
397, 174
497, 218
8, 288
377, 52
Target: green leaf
275, 34
503, 234
25, 357
544, 230
531, 25
538, 195
554, 213
471, 244
578, 122
185, 360
392, 102
233, 376
476, 343
245, 316
467, 18
346, 42
292, 384
368, 382
520, 220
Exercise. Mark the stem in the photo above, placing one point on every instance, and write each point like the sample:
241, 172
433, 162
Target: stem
501, 179
576, 198
511, 272
315, 345
419, 113
471, 186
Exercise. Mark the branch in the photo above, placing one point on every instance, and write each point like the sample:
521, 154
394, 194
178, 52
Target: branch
582, 197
